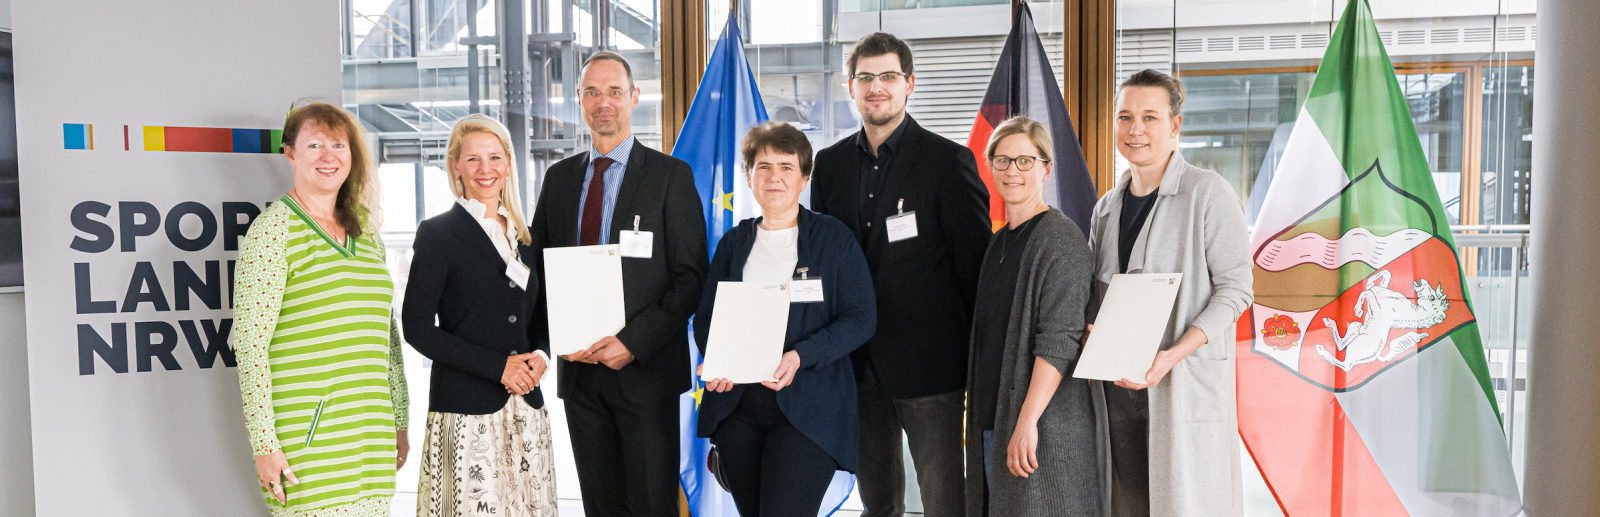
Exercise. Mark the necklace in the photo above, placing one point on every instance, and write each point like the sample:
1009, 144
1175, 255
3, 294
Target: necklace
324, 224
1007, 237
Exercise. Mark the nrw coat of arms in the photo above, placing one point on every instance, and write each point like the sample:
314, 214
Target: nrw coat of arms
1385, 310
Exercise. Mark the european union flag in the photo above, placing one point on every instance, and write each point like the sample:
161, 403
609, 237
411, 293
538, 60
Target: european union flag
725, 107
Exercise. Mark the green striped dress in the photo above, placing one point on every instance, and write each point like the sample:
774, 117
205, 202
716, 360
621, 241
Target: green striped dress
319, 362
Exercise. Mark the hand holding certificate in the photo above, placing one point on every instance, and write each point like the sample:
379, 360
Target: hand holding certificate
1128, 330
745, 344
584, 287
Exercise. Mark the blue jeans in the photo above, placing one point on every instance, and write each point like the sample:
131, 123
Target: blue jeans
988, 455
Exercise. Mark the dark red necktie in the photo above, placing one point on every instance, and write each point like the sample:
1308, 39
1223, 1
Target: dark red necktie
594, 204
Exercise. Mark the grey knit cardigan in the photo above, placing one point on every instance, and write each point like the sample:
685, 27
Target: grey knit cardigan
1046, 321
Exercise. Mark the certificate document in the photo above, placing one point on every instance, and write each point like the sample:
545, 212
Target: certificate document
750, 321
583, 289
1128, 331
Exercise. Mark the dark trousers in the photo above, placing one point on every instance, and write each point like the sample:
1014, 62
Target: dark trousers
771, 469
933, 424
1129, 416
626, 451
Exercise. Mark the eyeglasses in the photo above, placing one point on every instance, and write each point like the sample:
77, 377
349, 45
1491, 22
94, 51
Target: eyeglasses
886, 77
613, 94
1024, 163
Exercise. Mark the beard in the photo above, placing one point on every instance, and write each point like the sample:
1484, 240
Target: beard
883, 117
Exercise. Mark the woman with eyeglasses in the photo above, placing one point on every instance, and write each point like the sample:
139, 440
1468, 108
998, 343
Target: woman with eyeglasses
1032, 447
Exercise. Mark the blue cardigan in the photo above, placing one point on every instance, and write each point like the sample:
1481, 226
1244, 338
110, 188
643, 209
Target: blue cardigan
821, 401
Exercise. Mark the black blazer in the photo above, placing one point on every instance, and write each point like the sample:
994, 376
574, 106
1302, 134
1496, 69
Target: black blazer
821, 401
925, 285
661, 292
458, 280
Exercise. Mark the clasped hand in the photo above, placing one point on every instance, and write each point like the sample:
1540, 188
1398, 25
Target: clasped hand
608, 351
522, 373
784, 375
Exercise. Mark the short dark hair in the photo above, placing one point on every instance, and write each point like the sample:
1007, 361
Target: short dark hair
606, 55
778, 137
880, 43
1151, 77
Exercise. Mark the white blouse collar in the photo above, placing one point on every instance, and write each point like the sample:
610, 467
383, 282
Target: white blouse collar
476, 208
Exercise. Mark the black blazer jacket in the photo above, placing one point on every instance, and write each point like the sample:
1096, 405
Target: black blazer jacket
463, 313
821, 401
925, 285
661, 292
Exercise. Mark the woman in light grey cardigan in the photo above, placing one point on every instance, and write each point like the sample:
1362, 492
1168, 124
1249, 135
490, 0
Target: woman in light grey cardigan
1035, 441
1174, 433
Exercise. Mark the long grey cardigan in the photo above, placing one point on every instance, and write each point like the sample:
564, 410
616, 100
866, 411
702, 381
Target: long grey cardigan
1196, 228
1046, 321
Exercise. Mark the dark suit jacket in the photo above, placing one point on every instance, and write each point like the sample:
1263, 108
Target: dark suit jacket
925, 285
661, 292
457, 277
821, 401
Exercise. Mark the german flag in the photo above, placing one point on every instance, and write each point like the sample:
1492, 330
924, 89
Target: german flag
1023, 84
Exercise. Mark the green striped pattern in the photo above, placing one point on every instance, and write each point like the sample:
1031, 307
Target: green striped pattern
330, 369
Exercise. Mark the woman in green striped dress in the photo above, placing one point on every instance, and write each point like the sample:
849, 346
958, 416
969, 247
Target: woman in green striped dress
319, 356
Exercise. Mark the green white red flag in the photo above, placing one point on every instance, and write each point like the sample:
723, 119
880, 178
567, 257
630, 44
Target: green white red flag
1363, 388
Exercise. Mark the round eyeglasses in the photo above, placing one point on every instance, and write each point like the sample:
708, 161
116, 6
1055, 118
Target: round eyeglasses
1024, 163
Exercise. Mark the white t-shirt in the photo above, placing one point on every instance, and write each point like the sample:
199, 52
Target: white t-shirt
774, 255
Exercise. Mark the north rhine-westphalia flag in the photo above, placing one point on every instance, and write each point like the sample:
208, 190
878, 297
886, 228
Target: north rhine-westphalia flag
1023, 84
1363, 389
726, 105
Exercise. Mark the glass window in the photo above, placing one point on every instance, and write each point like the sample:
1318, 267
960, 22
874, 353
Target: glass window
380, 29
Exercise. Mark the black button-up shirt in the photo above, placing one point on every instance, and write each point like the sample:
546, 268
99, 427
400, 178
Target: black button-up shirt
873, 170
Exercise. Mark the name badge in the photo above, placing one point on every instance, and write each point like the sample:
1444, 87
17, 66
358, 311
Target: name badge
902, 226
636, 244
805, 289
518, 272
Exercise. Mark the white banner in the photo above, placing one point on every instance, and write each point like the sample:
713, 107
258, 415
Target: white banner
143, 158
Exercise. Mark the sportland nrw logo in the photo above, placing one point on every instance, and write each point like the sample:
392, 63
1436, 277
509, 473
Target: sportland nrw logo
175, 139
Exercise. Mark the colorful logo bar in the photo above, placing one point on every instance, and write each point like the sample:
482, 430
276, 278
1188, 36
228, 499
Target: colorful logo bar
212, 140
78, 136
184, 139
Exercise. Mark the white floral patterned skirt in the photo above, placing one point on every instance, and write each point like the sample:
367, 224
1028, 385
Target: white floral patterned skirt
495, 464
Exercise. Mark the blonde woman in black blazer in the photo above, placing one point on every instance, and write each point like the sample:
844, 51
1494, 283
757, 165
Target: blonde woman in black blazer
468, 303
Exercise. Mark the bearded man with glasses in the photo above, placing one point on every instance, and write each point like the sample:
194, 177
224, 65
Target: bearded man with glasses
920, 212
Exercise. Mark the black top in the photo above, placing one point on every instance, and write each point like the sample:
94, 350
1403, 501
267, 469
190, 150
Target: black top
821, 400
462, 312
924, 285
996, 290
1135, 210
660, 293
874, 168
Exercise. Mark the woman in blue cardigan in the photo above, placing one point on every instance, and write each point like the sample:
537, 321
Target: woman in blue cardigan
780, 442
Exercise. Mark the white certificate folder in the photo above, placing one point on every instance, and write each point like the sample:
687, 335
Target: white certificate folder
583, 289
1127, 332
745, 344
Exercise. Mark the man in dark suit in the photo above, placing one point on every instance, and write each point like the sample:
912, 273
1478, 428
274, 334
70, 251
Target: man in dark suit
621, 394
920, 212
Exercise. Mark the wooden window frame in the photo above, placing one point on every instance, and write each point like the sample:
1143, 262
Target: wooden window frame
1472, 125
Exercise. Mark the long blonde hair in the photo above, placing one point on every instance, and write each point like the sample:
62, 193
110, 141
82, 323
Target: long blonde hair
509, 195
360, 199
